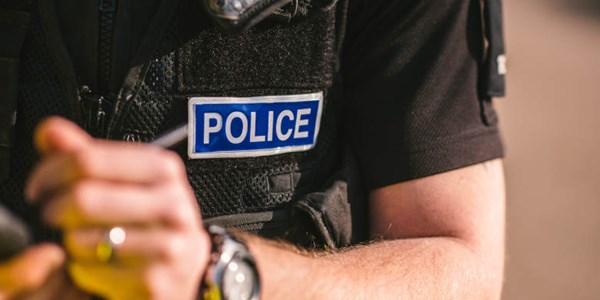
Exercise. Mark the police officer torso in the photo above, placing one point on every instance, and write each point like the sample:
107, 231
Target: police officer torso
295, 185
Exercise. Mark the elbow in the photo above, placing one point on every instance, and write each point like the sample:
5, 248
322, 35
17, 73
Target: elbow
489, 273
494, 281
482, 273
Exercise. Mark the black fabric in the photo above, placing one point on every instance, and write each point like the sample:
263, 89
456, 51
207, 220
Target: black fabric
8, 95
40, 94
411, 75
405, 101
294, 56
13, 26
335, 216
80, 25
21, 5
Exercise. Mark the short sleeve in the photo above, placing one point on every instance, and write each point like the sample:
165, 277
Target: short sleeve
411, 76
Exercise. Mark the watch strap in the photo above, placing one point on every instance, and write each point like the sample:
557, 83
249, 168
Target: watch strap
225, 247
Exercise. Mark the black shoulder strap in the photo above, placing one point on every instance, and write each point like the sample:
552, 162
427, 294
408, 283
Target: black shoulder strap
14, 21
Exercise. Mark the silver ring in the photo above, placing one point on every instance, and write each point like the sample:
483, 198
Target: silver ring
105, 249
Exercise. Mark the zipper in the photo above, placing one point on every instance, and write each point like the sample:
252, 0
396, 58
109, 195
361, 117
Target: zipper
105, 107
97, 105
107, 13
136, 74
95, 108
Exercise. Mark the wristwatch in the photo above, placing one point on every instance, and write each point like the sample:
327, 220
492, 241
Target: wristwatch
231, 273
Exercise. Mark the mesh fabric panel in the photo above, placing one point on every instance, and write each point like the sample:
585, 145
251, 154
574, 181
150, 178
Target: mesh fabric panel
40, 96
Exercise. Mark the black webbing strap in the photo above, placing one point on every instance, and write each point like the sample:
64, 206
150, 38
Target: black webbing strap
14, 21
494, 68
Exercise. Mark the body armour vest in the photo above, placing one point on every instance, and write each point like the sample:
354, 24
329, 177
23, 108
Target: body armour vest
312, 198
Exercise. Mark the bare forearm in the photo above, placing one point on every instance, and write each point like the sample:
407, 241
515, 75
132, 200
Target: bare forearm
426, 268
444, 239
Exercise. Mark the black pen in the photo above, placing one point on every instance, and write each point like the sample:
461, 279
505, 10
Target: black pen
14, 235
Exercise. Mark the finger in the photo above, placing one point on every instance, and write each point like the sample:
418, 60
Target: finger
111, 161
58, 286
30, 270
52, 175
97, 203
140, 246
57, 134
110, 281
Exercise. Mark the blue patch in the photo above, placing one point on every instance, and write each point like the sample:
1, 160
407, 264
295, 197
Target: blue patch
221, 127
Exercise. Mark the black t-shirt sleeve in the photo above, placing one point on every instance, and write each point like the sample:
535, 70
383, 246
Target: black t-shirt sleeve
411, 71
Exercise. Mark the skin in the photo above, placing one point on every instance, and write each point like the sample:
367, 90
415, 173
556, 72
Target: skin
38, 274
443, 239
443, 236
87, 186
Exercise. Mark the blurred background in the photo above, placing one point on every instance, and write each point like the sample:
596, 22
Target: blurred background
551, 126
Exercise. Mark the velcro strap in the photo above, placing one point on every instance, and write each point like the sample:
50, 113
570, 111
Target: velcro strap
13, 27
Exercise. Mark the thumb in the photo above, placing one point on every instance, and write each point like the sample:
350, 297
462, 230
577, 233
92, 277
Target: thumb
57, 134
29, 270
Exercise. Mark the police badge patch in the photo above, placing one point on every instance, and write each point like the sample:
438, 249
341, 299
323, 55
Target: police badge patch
229, 127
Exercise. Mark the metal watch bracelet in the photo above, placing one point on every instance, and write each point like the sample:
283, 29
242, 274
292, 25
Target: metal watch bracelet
231, 273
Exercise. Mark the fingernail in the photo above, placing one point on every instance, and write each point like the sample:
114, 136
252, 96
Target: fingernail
53, 253
59, 255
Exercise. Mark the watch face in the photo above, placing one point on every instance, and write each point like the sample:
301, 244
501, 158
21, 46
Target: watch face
239, 280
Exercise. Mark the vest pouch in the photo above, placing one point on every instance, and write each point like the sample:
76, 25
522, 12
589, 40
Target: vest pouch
330, 218
334, 217
269, 224
322, 219
13, 26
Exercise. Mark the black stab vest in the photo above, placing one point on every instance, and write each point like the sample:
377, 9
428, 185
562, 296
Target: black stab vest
311, 198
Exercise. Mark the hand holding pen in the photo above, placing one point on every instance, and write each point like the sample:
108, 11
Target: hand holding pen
89, 187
